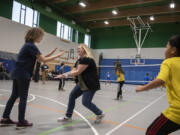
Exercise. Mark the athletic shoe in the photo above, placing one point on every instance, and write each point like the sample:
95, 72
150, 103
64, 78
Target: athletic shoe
120, 98
23, 124
99, 118
64, 119
61, 89
4, 122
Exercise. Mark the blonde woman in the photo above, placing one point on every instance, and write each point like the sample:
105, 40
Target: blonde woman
87, 83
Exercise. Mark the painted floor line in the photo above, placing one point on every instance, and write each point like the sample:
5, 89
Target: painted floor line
1, 105
74, 122
63, 112
55, 101
28, 101
103, 121
77, 121
69, 124
121, 124
49, 108
94, 130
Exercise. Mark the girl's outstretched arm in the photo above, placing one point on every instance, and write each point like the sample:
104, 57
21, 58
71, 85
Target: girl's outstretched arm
151, 85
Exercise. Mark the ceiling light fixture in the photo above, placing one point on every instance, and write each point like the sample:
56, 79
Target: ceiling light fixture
48, 9
82, 4
151, 18
73, 22
114, 12
172, 5
106, 22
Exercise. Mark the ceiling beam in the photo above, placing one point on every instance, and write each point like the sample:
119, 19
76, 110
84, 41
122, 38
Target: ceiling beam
131, 12
105, 4
124, 22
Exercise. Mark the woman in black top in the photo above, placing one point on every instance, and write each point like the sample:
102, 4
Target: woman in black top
22, 74
87, 82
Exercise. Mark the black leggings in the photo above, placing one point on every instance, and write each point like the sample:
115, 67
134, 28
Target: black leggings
61, 83
20, 89
119, 93
162, 126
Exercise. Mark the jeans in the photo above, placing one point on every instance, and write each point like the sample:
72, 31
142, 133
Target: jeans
20, 89
86, 100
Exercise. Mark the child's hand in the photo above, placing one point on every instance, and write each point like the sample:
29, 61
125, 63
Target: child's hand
55, 49
139, 88
62, 53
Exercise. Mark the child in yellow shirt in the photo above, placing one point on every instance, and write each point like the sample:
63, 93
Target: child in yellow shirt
120, 80
169, 120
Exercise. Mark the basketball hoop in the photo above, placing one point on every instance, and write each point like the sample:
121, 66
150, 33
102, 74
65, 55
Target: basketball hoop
140, 31
137, 60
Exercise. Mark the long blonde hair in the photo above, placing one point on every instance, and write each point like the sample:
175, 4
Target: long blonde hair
87, 51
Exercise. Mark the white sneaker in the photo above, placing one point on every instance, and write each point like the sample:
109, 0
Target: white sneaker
64, 119
99, 118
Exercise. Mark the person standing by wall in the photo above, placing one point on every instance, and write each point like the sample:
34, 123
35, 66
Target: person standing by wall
38, 65
61, 80
108, 78
146, 78
44, 71
36, 73
22, 74
2, 69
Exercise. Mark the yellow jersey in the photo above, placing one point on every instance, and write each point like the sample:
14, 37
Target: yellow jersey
120, 76
170, 74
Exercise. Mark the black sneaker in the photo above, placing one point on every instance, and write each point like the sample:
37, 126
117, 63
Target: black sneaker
5, 122
24, 124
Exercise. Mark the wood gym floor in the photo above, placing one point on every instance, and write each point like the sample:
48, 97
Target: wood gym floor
131, 116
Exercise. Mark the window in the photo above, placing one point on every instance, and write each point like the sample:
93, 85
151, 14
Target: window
76, 36
25, 15
87, 40
64, 31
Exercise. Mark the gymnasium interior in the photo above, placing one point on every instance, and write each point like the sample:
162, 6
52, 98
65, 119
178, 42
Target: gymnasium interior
133, 33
